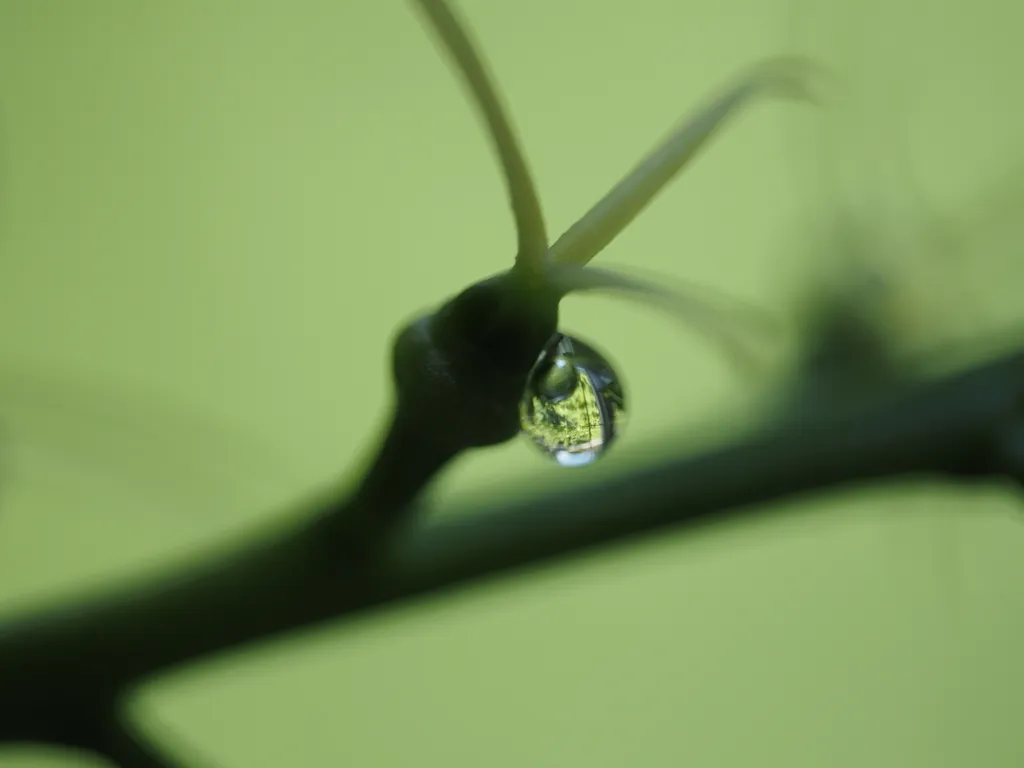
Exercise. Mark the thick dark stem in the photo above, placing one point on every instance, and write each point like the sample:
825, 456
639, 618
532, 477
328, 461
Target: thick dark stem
404, 465
951, 428
50, 690
122, 743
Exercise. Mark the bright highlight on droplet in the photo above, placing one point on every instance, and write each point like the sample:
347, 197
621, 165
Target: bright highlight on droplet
573, 407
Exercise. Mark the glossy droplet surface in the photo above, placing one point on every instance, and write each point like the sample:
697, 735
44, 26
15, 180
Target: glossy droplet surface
573, 407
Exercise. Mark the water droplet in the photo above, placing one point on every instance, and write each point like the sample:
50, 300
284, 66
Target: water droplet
573, 407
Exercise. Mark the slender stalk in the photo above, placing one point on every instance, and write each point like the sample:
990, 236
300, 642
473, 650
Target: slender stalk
531, 232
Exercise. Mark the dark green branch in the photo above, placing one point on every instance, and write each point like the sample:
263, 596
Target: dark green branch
120, 741
950, 428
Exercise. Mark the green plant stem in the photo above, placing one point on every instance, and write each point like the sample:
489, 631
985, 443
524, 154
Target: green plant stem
312, 573
122, 743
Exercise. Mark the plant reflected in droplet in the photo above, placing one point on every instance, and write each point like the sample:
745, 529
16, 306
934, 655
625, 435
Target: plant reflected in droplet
573, 407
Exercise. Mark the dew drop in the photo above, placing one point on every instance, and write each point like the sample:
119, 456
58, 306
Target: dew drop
573, 407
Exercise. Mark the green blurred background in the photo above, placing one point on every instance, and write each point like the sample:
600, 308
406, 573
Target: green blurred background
214, 216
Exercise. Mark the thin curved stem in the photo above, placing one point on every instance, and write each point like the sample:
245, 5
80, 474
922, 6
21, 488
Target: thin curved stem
740, 330
529, 219
613, 213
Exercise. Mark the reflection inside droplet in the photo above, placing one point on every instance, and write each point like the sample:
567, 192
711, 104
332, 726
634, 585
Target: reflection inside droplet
573, 407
